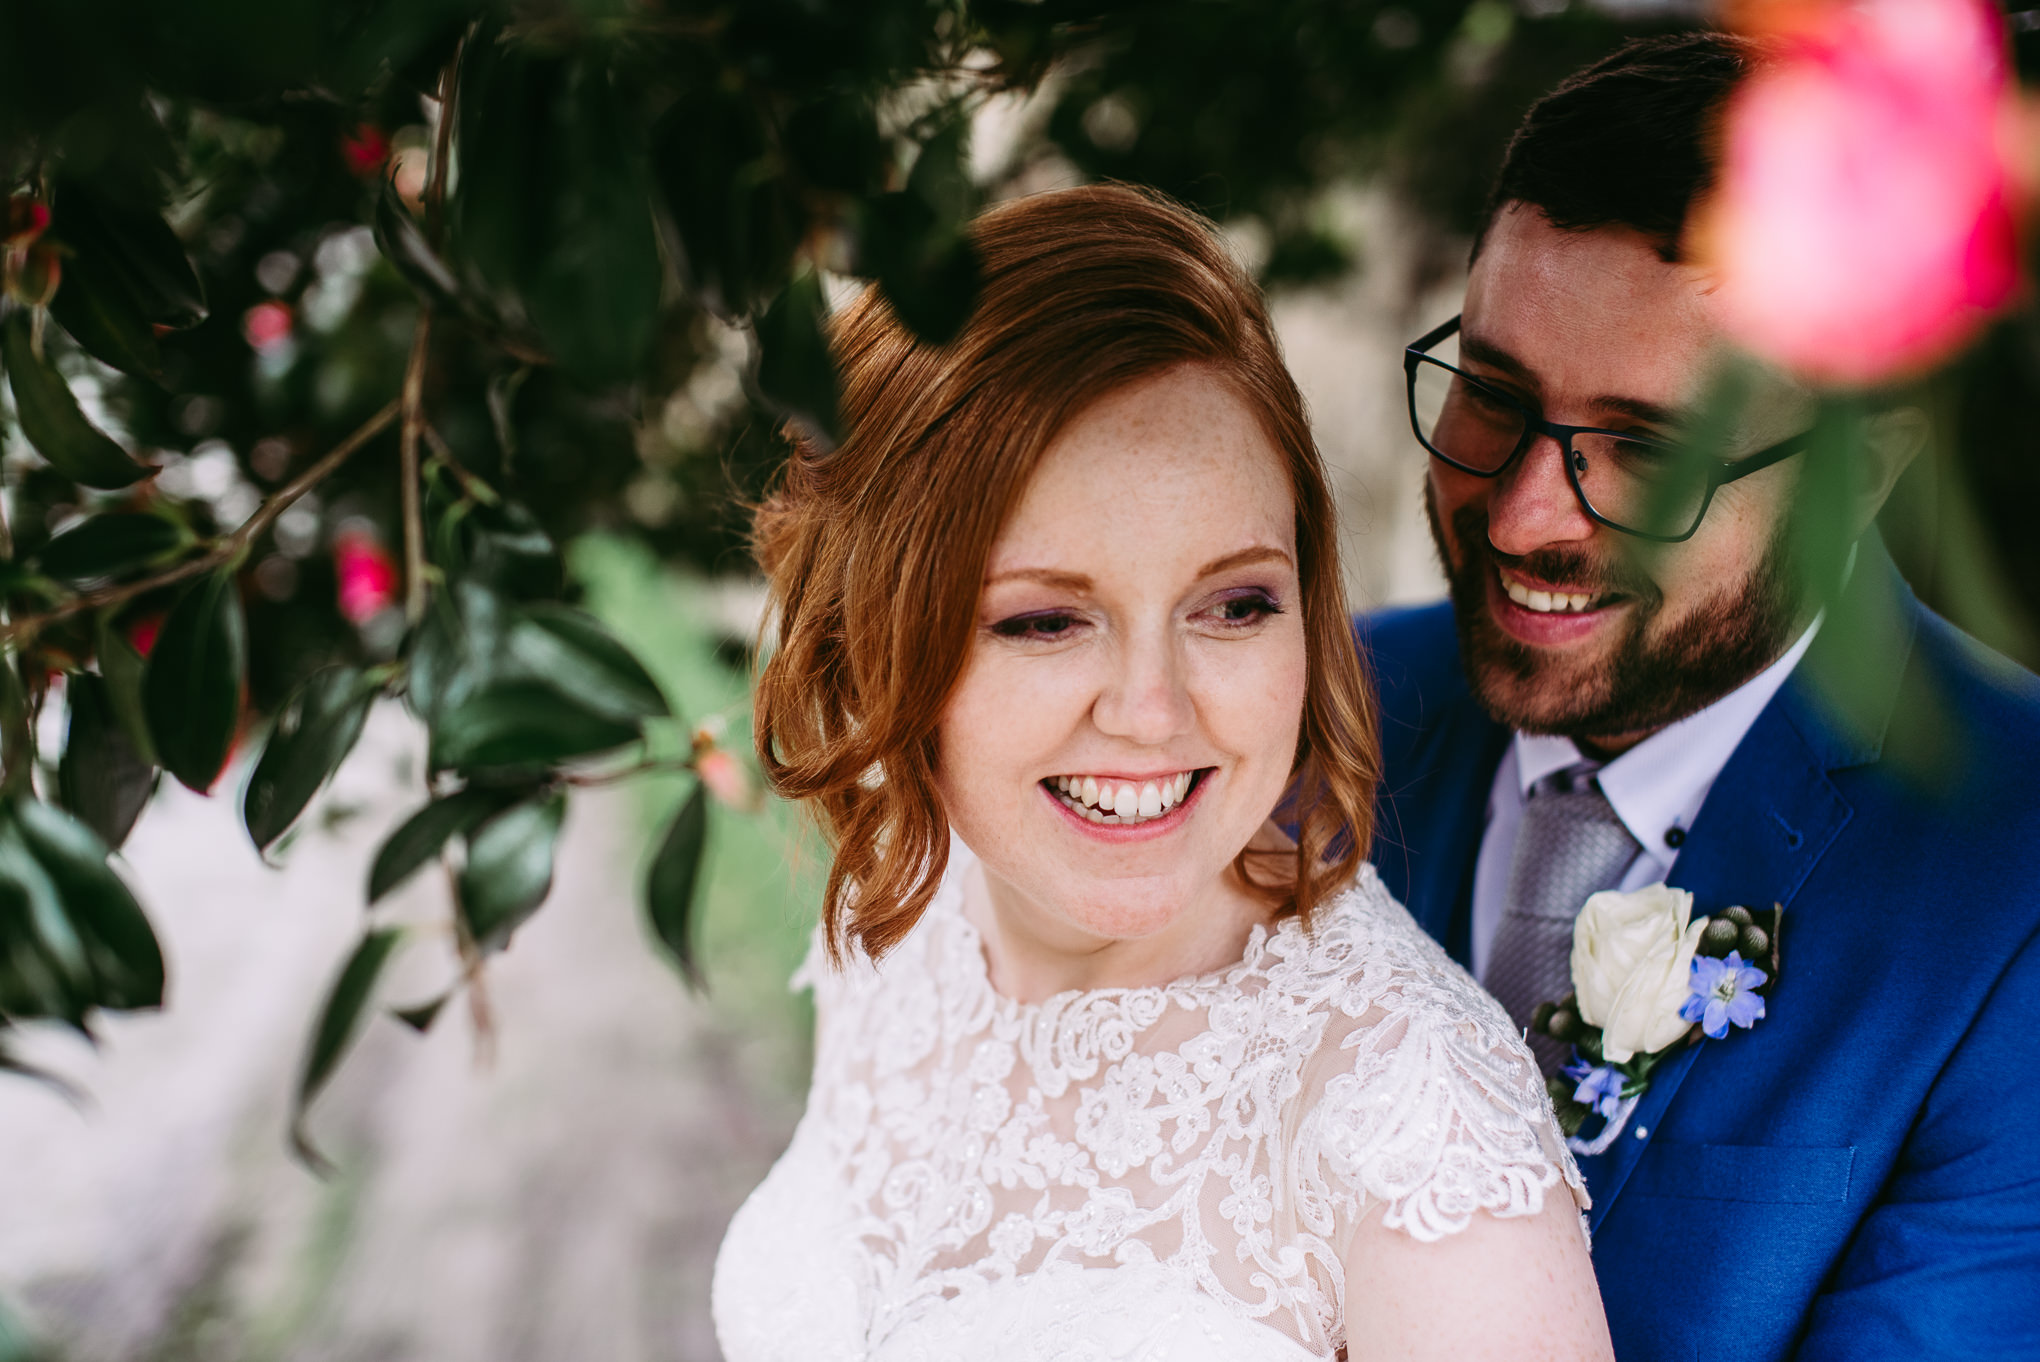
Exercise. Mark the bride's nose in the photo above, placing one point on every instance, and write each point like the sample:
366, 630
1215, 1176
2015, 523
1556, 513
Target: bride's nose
1146, 696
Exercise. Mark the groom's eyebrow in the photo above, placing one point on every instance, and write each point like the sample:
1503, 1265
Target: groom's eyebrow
1635, 408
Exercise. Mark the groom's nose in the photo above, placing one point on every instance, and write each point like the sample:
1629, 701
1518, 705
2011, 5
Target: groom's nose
1532, 505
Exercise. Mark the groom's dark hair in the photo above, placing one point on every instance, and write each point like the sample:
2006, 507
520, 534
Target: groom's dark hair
1627, 142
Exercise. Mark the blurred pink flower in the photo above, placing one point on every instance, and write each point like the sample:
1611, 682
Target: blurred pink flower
27, 219
267, 325
366, 150
1864, 227
726, 778
368, 576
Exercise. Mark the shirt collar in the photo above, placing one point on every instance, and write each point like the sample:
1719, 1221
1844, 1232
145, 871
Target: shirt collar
1660, 783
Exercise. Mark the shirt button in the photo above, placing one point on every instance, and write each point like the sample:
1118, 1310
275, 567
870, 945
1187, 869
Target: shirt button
1675, 836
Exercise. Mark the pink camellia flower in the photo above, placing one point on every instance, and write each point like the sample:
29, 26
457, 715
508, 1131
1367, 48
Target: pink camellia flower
27, 219
1863, 227
366, 150
268, 325
726, 778
368, 576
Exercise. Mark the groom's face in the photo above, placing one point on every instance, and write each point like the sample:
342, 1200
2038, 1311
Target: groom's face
1568, 626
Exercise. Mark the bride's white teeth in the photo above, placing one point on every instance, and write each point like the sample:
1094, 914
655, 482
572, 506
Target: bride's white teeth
1167, 790
1122, 802
1090, 791
1182, 786
1126, 801
1150, 800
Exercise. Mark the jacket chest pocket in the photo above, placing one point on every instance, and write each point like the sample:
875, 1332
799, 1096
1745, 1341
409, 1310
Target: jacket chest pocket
1771, 1174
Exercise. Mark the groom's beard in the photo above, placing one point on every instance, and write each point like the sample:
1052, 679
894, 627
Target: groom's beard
1657, 670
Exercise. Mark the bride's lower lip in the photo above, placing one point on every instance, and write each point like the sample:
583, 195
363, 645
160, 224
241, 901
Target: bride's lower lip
1544, 628
1143, 831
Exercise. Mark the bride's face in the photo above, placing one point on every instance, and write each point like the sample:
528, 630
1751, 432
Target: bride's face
1128, 715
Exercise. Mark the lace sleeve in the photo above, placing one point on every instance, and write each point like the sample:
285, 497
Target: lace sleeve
1434, 1110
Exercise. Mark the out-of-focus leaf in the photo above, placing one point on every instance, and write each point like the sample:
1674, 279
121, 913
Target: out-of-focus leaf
521, 724
51, 420
674, 877
736, 218
552, 204
796, 372
135, 247
835, 142
508, 550
456, 647
95, 306
124, 668
110, 544
120, 946
101, 778
509, 868
404, 245
917, 240
53, 971
420, 1017
418, 839
574, 653
191, 692
315, 731
339, 1021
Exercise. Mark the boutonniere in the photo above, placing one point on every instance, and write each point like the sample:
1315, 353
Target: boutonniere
1649, 979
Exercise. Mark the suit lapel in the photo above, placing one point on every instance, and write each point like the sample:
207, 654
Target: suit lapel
1773, 812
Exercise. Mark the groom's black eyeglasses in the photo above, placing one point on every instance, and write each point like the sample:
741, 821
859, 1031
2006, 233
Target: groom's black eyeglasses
1654, 489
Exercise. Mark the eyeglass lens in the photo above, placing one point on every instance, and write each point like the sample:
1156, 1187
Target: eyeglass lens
1637, 486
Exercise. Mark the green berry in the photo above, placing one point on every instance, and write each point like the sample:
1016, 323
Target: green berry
1564, 1024
1756, 942
1720, 937
1540, 1020
1739, 915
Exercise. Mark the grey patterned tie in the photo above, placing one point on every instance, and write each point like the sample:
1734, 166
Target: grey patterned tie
1570, 845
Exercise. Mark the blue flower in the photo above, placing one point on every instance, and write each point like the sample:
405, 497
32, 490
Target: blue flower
1600, 1087
1721, 994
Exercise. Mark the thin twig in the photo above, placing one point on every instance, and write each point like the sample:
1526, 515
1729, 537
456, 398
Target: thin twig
414, 512
442, 144
225, 550
469, 483
672, 765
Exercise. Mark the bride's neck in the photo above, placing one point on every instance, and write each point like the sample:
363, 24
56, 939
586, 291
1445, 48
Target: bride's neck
1031, 955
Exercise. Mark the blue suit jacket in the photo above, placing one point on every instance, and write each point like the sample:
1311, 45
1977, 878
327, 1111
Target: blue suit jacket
1858, 1177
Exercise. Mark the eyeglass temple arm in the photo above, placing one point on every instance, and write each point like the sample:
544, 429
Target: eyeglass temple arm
1731, 469
1433, 336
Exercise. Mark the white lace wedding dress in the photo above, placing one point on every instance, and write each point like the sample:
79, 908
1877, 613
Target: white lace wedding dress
1129, 1175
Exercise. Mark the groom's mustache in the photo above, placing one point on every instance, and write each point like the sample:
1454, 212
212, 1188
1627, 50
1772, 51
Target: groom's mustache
1574, 567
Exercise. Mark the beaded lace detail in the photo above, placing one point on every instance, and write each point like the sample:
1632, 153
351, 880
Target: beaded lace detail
975, 1172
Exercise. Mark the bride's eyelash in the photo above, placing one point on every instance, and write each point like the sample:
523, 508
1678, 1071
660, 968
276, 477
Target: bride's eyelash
1259, 604
1040, 624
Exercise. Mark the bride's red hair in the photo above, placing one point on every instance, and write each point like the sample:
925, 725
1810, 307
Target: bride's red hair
875, 550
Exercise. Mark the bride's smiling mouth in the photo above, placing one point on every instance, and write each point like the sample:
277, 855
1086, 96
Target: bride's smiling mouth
1111, 801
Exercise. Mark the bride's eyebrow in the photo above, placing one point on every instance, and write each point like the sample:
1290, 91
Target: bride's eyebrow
1077, 581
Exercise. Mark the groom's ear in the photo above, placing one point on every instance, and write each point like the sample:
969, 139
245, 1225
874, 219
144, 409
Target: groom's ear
1894, 438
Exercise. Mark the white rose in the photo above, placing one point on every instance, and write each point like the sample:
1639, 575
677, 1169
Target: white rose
1632, 961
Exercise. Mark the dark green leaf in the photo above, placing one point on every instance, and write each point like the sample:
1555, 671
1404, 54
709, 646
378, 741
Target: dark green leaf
509, 868
521, 724
796, 372
56, 968
421, 1017
101, 777
191, 692
737, 220
126, 962
135, 247
124, 668
404, 245
674, 877
110, 544
418, 839
51, 420
339, 1021
314, 732
508, 549
836, 144
95, 306
574, 653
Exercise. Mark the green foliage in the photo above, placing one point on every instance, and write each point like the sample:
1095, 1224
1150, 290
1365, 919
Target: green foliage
670, 884
314, 733
191, 692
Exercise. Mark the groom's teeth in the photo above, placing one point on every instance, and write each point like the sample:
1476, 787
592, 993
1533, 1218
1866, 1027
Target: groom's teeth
1548, 602
1150, 800
1090, 791
1126, 801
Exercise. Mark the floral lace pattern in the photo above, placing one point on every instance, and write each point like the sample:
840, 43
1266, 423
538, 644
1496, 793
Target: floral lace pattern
1222, 1135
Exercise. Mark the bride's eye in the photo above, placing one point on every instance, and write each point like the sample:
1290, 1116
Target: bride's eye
1046, 624
1244, 609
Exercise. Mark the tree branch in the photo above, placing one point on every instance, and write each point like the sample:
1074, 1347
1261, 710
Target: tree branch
413, 403
224, 551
